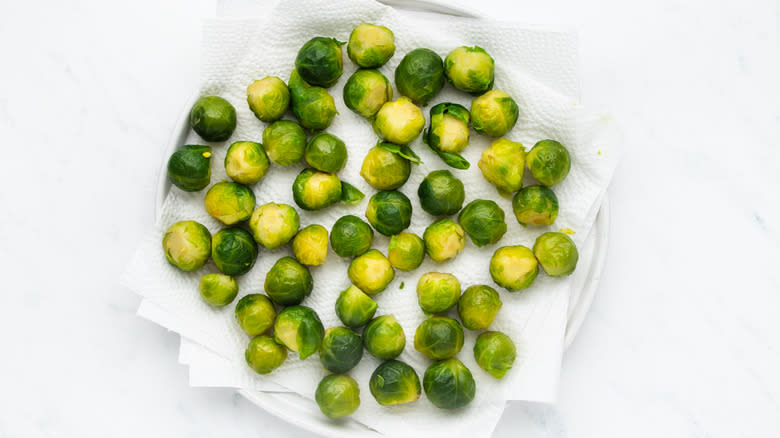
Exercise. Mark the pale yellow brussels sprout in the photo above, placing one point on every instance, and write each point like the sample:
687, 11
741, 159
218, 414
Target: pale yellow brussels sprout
385, 170
470, 69
337, 395
354, 308
366, 91
255, 314
406, 251
264, 355
229, 202
495, 353
503, 164
187, 245
284, 141
268, 98
218, 290
299, 329
273, 225
557, 254
310, 245
444, 239
437, 291
478, 307
514, 267
384, 337
399, 121
371, 272
370, 45
246, 162
494, 113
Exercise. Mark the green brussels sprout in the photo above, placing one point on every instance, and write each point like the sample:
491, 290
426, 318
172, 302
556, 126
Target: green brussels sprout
341, 349
385, 170
326, 152
371, 272
370, 45
470, 69
366, 91
299, 329
556, 253
503, 164
478, 307
494, 113
233, 251
273, 225
406, 251
495, 353
313, 106
420, 75
337, 396
513, 267
535, 205
439, 337
189, 168
288, 282
255, 314
284, 141
268, 98
315, 190
264, 355
246, 162
384, 338
549, 162
449, 384
483, 221
399, 121
229, 202
390, 212
350, 194
218, 290
394, 383
441, 194
310, 245
448, 133
213, 118
354, 308
319, 61
351, 236
444, 239
187, 245
437, 292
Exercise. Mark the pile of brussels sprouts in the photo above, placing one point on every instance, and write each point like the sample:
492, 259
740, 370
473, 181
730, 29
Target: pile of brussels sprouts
276, 321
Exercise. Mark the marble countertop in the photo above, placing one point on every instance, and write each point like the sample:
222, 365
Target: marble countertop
682, 336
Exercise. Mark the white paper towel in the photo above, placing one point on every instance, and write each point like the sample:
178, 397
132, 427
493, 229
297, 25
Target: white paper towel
537, 67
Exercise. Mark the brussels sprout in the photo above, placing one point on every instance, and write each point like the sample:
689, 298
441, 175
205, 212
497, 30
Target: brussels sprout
213, 118
439, 337
187, 245
556, 253
483, 221
288, 282
351, 236
390, 212
470, 69
444, 239
394, 383
513, 267
246, 162
189, 168
384, 338
441, 194
478, 307
326, 152
448, 133
315, 190
341, 349
273, 224
337, 395
350, 194
549, 162
255, 314
502, 164
319, 61
385, 170
354, 308
370, 45
437, 292
284, 141
366, 91
449, 384
399, 121
268, 98
264, 355
229, 202
299, 329
313, 106
495, 353
310, 245
218, 290
233, 251
406, 251
494, 113
420, 75
371, 272
535, 205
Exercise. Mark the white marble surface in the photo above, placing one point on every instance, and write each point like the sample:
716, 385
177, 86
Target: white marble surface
682, 337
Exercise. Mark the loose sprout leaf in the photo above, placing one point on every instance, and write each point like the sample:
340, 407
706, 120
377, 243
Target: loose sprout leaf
454, 160
403, 151
350, 194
